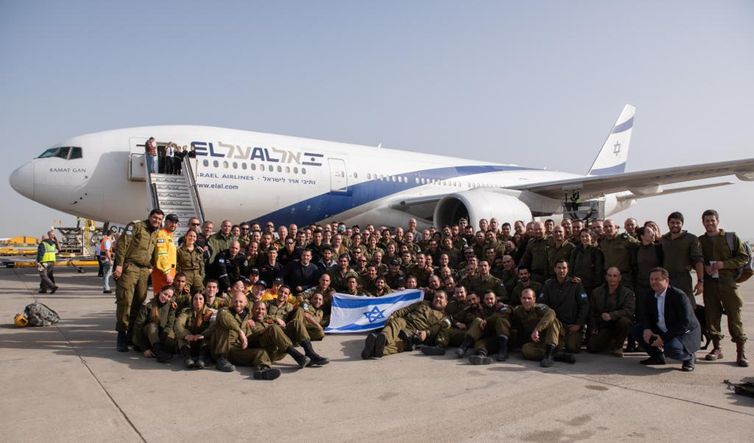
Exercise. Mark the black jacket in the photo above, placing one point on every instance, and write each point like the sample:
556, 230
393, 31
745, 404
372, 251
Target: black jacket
679, 319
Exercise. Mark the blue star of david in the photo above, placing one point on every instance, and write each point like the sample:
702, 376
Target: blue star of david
374, 315
616, 148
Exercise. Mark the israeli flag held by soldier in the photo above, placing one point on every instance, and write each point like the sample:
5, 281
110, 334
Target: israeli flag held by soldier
352, 313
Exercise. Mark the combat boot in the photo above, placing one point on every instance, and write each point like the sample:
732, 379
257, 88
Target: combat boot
480, 358
379, 345
187, 360
265, 373
121, 344
224, 365
432, 350
565, 357
201, 361
461, 351
502, 348
716, 353
410, 342
368, 350
316, 359
300, 358
740, 355
161, 354
548, 360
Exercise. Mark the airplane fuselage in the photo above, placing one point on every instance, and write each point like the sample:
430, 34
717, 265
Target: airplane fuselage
244, 175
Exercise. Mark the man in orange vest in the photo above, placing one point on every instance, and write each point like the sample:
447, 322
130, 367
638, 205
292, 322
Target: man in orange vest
164, 257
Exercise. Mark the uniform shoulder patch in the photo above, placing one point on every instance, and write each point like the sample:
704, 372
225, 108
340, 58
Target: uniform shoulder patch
541, 307
583, 296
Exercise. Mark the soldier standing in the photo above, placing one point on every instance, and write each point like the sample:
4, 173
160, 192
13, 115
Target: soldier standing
133, 253
723, 254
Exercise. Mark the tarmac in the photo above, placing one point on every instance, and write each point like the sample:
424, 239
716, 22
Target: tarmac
67, 383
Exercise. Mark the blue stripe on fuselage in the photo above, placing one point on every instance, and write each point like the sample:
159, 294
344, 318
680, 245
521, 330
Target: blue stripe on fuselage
326, 205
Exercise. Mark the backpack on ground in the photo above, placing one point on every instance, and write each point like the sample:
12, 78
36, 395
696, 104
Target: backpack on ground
743, 388
744, 272
39, 314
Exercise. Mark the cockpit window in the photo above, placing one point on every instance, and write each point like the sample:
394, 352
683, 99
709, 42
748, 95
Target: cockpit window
64, 152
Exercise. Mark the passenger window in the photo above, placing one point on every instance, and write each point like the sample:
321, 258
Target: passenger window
75, 153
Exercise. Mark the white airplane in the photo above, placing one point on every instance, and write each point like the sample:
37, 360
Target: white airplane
241, 175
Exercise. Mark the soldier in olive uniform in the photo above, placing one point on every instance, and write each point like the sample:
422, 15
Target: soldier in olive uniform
340, 274
587, 263
461, 311
570, 303
558, 248
524, 281
406, 327
192, 331
230, 343
133, 253
486, 282
539, 330
315, 317
292, 320
535, 254
619, 250
190, 261
153, 328
723, 253
488, 332
611, 315
681, 253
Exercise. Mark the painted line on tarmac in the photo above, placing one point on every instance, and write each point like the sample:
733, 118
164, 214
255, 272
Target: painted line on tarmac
115, 403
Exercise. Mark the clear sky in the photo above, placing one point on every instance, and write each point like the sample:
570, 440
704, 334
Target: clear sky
538, 83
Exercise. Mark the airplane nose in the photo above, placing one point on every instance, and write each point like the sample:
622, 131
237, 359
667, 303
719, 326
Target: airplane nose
22, 180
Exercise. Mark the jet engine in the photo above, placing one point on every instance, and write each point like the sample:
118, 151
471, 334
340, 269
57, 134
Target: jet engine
477, 204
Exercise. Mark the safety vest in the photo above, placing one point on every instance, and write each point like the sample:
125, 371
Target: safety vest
103, 246
50, 250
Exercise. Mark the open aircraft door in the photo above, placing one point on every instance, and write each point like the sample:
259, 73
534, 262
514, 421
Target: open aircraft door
137, 163
338, 177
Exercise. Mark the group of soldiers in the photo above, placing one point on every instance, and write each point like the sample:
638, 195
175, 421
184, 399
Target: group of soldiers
252, 293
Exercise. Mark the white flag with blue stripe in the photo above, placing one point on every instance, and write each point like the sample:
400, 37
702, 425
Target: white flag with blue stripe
353, 313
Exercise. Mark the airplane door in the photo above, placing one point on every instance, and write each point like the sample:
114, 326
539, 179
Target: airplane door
338, 176
137, 167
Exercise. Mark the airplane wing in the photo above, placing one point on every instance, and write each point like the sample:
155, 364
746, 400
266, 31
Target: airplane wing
641, 183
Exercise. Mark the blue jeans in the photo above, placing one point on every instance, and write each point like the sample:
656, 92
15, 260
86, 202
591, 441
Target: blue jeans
672, 349
151, 163
107, 272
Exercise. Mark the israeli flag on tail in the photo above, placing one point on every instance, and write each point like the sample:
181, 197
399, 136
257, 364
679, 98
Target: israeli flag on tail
614, 153
353, 313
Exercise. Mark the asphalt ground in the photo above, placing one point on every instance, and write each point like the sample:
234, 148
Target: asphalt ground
67, 383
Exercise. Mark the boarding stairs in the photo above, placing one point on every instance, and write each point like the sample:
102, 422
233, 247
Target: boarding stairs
176, 194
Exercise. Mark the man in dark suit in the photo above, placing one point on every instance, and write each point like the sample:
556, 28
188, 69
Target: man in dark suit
668, 327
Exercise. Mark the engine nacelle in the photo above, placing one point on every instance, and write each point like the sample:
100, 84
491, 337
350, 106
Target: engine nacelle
478, 204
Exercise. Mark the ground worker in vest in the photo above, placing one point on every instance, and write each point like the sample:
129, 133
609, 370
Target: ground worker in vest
164, 255
133, 254
46, 255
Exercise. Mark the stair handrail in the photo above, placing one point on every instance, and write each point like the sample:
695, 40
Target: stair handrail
189, 170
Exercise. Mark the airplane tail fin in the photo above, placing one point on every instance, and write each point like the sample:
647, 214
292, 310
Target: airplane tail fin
614, 153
